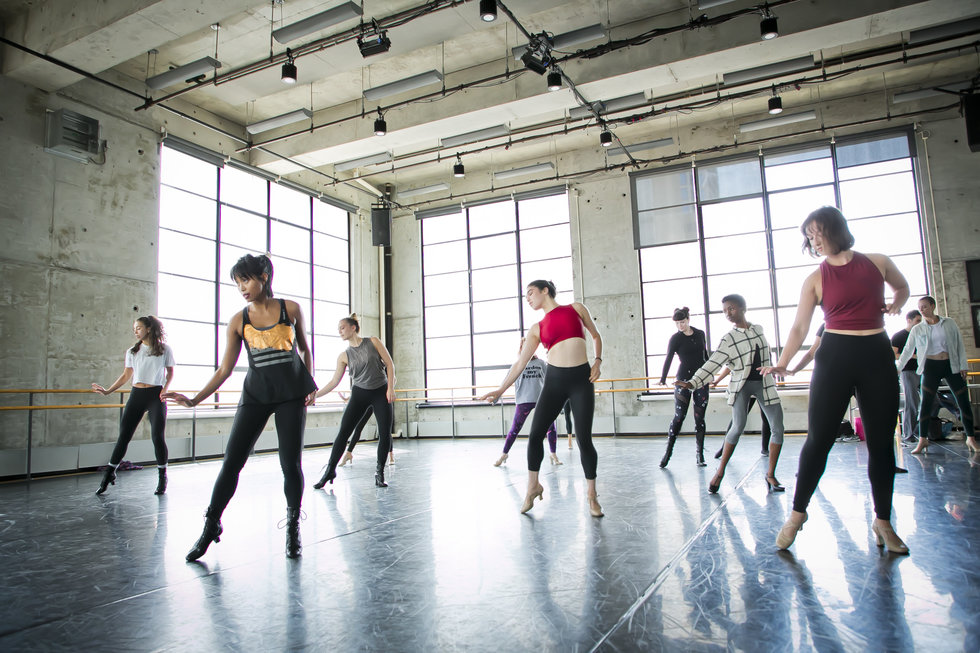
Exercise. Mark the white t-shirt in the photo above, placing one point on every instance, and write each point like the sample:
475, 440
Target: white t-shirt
151, 370
937, 339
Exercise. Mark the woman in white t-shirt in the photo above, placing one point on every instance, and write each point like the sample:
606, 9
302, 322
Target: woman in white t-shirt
150, 366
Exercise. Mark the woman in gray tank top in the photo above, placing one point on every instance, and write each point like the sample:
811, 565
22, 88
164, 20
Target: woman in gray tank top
372, 386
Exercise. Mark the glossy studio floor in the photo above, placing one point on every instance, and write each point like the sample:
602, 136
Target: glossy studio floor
442, 560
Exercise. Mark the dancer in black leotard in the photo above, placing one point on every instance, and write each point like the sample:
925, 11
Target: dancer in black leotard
691, 348
278, 383
372, 384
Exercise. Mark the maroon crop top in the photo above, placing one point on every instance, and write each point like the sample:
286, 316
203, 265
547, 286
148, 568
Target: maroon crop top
561, 323
853, 294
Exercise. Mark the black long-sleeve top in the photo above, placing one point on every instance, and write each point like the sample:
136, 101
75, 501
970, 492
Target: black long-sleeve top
692, 351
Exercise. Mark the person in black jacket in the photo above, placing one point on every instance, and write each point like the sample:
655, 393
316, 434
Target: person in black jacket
692, 349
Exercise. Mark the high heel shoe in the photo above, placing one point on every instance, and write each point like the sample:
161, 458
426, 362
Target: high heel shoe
555, 460
212, 532
772, 485
294, 546
700, 459
327, 477
379, 478
886, 537
971, 445
594, 508
668, 453
501, 460
348, 458
109, 478
529, 499
719, 452
787, 534
714, 486
922, 446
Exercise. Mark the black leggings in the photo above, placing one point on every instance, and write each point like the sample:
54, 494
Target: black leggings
245, 430
561, 384
360, 401
682, 400
864, 366
933, 372
142, 400
361, 424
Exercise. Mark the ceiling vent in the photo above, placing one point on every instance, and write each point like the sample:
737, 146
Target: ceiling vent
71, 135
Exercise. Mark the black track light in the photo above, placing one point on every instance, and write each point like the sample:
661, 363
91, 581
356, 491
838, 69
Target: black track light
775, 105
554, 80
458, 170
768, 28
380, 125
605, 138
289, 69
488, 10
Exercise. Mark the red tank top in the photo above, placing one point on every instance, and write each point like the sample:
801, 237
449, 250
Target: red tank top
561, 323
853, 294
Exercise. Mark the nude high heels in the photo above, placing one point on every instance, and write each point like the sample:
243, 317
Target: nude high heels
787, 534
348, 458
501, 460
529, 499
887, 539
594, 508
555, 460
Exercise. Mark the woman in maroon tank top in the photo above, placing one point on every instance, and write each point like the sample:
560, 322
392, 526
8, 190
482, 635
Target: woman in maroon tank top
855, 357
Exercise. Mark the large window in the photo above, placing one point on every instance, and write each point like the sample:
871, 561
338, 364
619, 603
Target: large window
733, 226
210, 216
476, 262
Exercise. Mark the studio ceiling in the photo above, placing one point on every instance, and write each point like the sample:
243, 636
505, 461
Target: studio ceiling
683, 61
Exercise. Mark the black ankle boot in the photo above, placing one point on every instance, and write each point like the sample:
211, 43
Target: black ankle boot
379, 478
161, 481
719, 452
293, 544
328, 477
212, 532
700, 456
669, 452
109, 478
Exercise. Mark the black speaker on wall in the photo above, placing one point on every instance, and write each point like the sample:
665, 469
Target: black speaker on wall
381, 225
971, 111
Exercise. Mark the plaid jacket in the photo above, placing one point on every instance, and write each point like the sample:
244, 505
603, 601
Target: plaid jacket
736, 350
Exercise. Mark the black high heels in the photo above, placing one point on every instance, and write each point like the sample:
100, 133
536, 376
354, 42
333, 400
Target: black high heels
715, 484
700, 459
109, 478
212, 532
161, 481
327, 477
294, 546
379, 478
772, 485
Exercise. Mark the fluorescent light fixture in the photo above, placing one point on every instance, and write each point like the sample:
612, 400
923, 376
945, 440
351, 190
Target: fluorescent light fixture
181, 73
472, 137
318, 22
769, 70
380, 157
526, 170
568, 39
610, 106
708, 4
777, 122
945, 31
423, 190
402, 85
639, 147
921, 94
279, 121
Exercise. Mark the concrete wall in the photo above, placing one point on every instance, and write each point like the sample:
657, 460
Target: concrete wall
78, 263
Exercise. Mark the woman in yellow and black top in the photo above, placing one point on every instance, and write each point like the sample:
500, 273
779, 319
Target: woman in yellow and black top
278, 383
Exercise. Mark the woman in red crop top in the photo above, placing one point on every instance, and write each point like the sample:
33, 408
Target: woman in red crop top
569, 378
855, 357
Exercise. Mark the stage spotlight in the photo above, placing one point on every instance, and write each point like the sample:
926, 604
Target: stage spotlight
605, 138
775, 105
289, 69
768, 28
371, 44
458, 170
537, 57
380, 125
488, 10
554, 80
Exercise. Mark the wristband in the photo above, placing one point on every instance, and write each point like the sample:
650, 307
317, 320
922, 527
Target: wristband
598, 358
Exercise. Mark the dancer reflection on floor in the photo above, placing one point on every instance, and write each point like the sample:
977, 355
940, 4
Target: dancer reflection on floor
855, 357
569, 377
372, 385
278, 382
527, 389
743, 350
692, 349
150, 366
